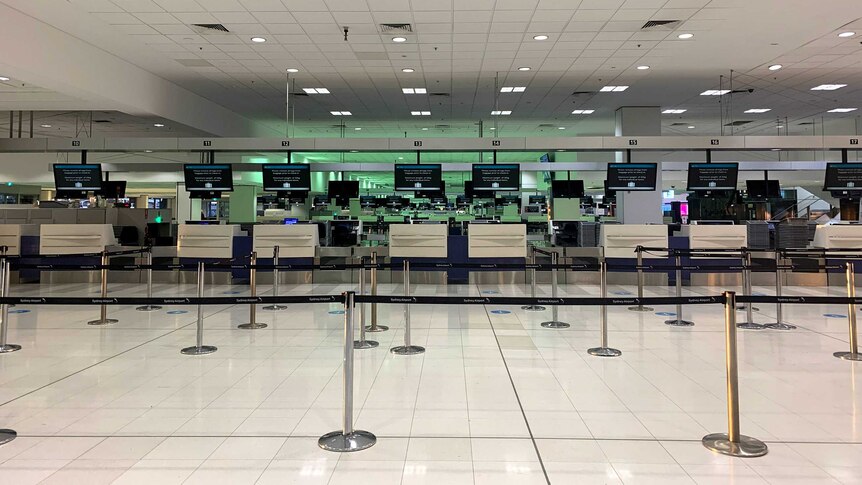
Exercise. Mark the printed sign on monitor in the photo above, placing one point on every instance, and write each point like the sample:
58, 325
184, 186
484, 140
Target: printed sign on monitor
631, 176
424, 178
286, 177
843, 176
208, 178
502, 177
712, 176
78, 177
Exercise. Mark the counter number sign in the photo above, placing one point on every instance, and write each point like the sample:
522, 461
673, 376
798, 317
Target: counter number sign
495, 143
713, 142
417, 143
76, 143
633, 142
208, 143
285, 143
854, 141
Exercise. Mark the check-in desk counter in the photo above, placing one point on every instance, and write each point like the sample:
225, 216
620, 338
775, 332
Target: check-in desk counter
839, 236
71, 239
419, 242
719, 237
576, 255
297, 244
21, 240
497, 243
619, 242
207, 243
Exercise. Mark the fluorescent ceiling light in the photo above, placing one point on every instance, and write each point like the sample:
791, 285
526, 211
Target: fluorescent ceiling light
492, 128
643, 68
685, 36
316, 90
673, 111
846, 34
341, 113
399, 39
583, 111
613, 89
4, 78
159, 125
408, 69
524, 68
292, 69
757, 110
501, 112
540, 37
841, 110
420, 113
690, 127
414, 90
828, 87
561, 127
513, 89
715, 92
45, 126
775, 67
357, 128
424, 129
258, 40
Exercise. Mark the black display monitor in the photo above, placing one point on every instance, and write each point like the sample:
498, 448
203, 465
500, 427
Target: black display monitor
78, 178
567, 189
114, 189
397, 201
712, 176
342, 191
439, 200
499, 177
419, 178
468, 190
293, 196
290, 177
208, 178
763, 189
609, 194
845, 177
537, 199
632, 176
508, 200
205, 194
367, 201
463, 200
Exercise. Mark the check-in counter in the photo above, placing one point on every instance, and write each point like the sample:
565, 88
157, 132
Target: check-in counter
297, 244
504, 242
619, 242
415, 242
839, 236
196, 242
71, 239
11, 236
718, 237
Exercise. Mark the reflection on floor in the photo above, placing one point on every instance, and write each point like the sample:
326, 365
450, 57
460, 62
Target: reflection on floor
496, 399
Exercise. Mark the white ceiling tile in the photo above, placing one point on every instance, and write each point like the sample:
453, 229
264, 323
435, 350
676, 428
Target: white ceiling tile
435, 39
675, 13
346, 5
389, 5
314, 17
152, 39
353, 19
643, 4
432, 17
463, 16
434, 28
96, 5
552, 15
139, 29
546, 27
305, 5
516, 4
593, 15
293, 39
613, 36
222, 5
223, 39
470, 4
628, 26
284, 28
472, 28
114, 18
584, 26
703, 25
315, 31
262, 5
509, 16
639, 14
173, 29
508, 27
274, 17
195, 17
577, 36
504, 37
235, 17
686, 3
378, 47
600, 4
158, 18
558, 4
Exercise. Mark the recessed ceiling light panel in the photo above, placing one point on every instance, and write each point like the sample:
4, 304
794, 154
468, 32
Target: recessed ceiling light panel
501, 112
292, 69
846, 34
420, 113
685, 36
643, 68
828, 87
4, 78
775, 67
408, 69
613, 89
757, 110
258, 40
583, 111
341, 113
524, 68
414, 90
315, 90
841, 110
673, 111
399, 39
540, 37
715, 92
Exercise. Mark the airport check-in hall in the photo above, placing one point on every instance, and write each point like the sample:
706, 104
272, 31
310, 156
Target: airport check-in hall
468, 242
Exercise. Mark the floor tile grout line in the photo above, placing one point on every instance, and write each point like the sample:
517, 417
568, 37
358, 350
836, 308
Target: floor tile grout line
515, 390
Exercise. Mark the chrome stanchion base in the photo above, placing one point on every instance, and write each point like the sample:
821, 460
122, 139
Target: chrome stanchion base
533, 308
555, 324
379, 328
407, 350
355, 441
365, 344
5, 349
274, 308
7, 435
106, 321
202, 350
252, 326
747, 447
848, 355
750, 326
641, 308
679, 323
779, 326
148, 308
604, 352
742, 308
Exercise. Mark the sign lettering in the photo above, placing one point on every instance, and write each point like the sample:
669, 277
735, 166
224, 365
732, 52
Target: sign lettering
76, 143
417, 143
854, 141
713, 142
495, 143
285, 143
208, 143
633, 142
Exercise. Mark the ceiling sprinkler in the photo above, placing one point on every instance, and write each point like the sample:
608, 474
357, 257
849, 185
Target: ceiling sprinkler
345, 33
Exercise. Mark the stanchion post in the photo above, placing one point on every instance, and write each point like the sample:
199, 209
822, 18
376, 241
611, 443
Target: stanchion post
851, 317
148, 307
103, 311
678, 321
533, 307
733, 443
362, 343
347, 438
275, 292
604, 350
640, 307
407, 348
748, 324
5, 348
374, 326
779, 317
200, 348
252, 309
554, 322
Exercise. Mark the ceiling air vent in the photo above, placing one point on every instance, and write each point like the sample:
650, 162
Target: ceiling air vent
209, 29
679, 124
583, 93
546, 125
806, 123
439, 94
442, 127
101, 121
738, 123
660, 25
396, 29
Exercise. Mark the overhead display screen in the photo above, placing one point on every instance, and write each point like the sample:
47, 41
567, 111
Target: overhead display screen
423, 178
843, 176
631, 176
712, 176
208, 178
567, 189
502, 177
286, 177
78, 177
763, 189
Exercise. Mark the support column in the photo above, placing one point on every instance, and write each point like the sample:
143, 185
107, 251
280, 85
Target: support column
243, 204
639, 207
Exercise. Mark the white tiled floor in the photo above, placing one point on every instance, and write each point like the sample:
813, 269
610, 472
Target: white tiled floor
496, 399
